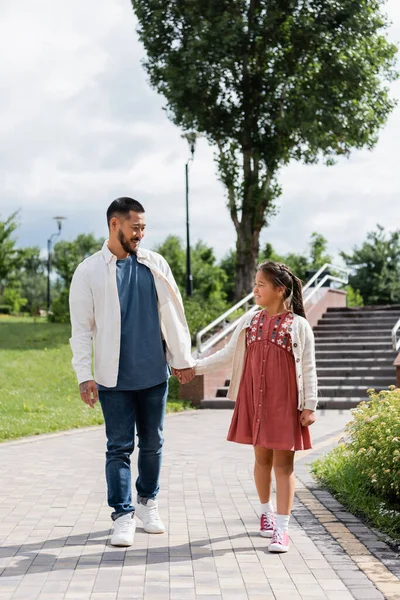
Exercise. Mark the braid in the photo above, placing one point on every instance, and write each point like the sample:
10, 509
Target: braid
297, 297
281, 275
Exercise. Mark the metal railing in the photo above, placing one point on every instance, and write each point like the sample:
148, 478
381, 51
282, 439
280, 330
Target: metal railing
395, 341
228, 327
344, 279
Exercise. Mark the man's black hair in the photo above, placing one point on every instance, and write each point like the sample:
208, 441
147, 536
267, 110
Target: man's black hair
122, 207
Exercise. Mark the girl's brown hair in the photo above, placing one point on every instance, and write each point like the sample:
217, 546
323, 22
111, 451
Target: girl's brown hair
281, 276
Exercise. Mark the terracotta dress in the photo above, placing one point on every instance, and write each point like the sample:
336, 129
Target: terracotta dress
266, 412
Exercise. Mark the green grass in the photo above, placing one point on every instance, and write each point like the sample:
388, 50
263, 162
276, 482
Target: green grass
38, 389
343, 478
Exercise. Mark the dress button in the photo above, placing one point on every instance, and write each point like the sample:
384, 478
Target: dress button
297, 360
295, 345
290, 329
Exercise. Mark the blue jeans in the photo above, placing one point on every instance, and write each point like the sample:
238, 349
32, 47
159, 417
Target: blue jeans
122, 411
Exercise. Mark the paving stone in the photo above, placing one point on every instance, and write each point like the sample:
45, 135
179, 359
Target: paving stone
56, 546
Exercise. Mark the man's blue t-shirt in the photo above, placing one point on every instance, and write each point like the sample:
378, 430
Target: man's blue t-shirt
142, 362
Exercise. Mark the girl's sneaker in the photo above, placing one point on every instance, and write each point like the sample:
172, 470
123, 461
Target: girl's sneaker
280, 541
267, 525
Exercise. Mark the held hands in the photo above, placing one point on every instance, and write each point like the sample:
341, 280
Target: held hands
183, 375
307, 417
89, 393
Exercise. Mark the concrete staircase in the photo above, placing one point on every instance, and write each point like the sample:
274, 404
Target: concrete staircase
353, 353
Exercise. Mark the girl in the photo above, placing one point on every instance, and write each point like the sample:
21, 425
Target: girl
274, 383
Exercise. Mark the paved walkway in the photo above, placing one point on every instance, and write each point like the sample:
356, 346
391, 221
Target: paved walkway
54, 526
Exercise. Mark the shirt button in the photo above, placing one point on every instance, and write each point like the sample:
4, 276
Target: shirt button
297, 360
295, 345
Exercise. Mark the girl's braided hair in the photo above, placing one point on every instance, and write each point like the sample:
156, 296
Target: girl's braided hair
281, 276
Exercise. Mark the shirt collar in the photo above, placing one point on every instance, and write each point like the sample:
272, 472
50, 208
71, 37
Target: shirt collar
109, 256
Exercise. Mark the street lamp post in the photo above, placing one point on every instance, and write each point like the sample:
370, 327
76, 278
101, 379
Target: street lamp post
49, 244
191, 138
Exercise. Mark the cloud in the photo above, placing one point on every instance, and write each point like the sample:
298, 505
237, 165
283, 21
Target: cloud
80, 126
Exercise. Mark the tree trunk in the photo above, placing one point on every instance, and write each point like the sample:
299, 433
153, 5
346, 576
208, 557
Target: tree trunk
247, 248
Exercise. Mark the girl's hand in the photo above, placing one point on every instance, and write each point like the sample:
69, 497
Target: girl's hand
307, 417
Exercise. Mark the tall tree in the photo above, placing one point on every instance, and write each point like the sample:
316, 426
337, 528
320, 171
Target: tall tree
11, 258
68, 255
376, 267
33, 279
267, 82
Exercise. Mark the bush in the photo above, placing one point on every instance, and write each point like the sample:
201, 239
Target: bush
363, 472
200, 313
12, 298
5, 309
375, 441
60, 308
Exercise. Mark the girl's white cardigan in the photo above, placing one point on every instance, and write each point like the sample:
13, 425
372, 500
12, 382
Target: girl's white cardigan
233, 355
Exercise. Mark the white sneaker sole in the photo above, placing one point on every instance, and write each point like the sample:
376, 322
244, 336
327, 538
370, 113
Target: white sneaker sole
278, 549
150, 530
121, 543
266, 534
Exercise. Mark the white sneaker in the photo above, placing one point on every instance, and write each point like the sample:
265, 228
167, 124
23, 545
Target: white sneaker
124, 530
148, 514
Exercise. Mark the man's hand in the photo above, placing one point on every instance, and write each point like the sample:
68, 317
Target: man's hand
184, 375
89, 393
307, 417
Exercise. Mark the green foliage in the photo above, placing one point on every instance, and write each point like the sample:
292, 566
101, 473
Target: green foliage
269, 82
11, 258
60, 308
300, 264
209, 279
376, 267
354, 297
200, 312
33, 278
174, 253
68, 255
375, 441
364, 471
12, 297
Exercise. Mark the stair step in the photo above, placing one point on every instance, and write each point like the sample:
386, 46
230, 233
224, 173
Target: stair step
339, 327
365, 309
361, 354
366, 382
347, 345
363, 371
373, 314
222, 392
332, 336
355, 323
217, 403
351, 363
339, 403
346, 391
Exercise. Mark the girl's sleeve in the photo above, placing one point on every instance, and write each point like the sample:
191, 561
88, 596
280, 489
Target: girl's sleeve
222, 358
310, 380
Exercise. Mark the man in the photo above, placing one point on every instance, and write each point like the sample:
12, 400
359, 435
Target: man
125, 302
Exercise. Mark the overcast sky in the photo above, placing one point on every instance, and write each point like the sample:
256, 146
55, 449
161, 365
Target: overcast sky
79, 126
